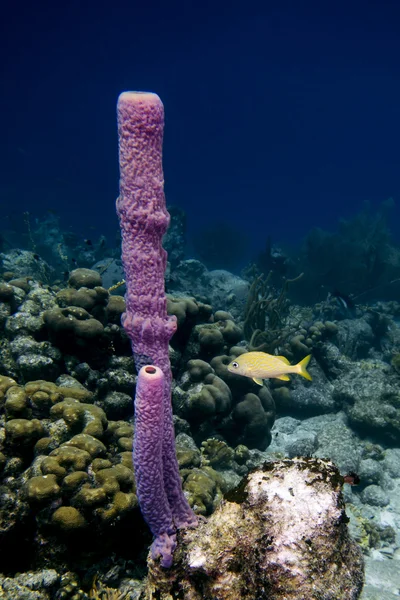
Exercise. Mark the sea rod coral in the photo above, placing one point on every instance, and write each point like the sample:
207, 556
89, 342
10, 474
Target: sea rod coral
144, 220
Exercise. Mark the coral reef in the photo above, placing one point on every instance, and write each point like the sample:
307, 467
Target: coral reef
358, 259
67, 488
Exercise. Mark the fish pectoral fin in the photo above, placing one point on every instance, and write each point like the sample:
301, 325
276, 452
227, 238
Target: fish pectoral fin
258, 380
283, 377
283, 359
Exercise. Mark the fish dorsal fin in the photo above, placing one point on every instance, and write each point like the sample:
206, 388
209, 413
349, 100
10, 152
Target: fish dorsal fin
283, 359
258, 380
283, 377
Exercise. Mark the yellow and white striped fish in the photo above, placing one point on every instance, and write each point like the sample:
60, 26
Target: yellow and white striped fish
260, 365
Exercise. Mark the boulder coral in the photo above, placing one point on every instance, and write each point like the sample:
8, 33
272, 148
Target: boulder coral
214, 400
281, 535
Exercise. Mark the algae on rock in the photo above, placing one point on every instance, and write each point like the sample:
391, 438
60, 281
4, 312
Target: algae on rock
282, 535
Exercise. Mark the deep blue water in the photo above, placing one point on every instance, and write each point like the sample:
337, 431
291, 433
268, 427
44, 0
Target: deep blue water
278, 118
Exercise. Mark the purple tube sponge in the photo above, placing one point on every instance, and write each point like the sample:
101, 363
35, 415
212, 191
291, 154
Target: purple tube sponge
143, 220
147, 460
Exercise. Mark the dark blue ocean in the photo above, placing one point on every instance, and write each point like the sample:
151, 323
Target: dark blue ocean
279, 117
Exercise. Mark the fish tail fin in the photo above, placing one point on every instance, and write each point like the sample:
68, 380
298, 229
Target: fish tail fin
302, 368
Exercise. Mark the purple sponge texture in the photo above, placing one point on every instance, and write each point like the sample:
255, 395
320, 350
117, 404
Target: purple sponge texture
144, 220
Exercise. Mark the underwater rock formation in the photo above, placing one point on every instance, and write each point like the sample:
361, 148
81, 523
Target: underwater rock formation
281, 535
23, 262
222, 289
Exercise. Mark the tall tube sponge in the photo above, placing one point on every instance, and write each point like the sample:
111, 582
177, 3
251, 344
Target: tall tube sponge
144, 219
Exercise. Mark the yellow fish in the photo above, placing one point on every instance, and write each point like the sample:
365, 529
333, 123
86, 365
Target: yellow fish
260, 365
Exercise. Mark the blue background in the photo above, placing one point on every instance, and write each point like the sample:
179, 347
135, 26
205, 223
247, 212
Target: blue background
280, 116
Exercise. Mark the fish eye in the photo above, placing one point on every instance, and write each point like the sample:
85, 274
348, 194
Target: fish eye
235, 365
